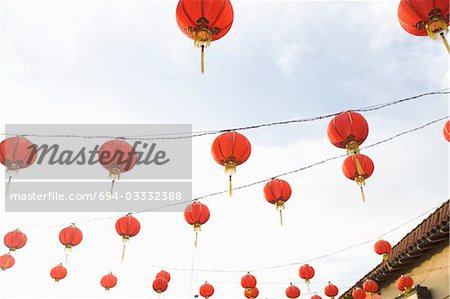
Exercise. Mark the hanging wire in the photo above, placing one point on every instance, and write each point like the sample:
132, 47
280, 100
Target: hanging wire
184, 135
185, 202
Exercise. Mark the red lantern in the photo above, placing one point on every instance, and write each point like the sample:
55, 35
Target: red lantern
370, 287
277, 192
70, 236
252, 294
292, 292
331, 290
446, 131
163, 274
15, 240
160, 285
422, 18
358, 168
248, 282
196, 214
117, 156
127, 227
6, 261
204, 21
16, 153
348, 130
59, 272
405, 284
383, 248
206, 290
108, 281
231, 149
306, 272
316, 297
358, 294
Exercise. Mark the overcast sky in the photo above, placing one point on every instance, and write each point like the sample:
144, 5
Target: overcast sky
127, 62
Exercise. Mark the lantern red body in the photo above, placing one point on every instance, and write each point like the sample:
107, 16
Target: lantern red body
383, 248
358, 294
128, 227
446, 131
196, 214
108, 281
117, 156
405, 283
292, 292
248, 282
231, 149
348, 130
370, 286
17, 153
6, 261
331, 290
206, 290
160, 285
204, 21
351, 170
70, 236
163, 274
59, 272
306, 272
277, 190
316, 297
252, 293
15, 240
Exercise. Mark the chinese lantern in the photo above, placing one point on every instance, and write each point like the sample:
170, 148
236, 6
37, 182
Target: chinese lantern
206, 290
6, 261
163, 274
405, 284
359, 293
277, 192
306, 272
331, 290
446, 131
59, 272
422, 18
292, 292
127, 227
160, 285
348, 130
358, 168
248, 282
117, 156
383, 248
231, 149
252, 294
108, 281
204, 21
370, 287
316, 297
16, 153
196, 214
15, 240
70, 236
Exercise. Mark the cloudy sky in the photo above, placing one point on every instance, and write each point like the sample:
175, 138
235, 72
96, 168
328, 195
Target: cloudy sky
121, 62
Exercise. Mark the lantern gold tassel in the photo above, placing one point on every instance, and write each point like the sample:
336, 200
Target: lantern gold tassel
196, 239
197, 229
307, 285
360, 178
112, 187
280, 207
230, 186
124, 240
7, 185
202, 60
444, 40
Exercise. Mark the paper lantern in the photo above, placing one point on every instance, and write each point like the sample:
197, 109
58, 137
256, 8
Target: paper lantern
15, 240
196, 214
59, 272
277, 192
348, 130
358, 168
127, 227
331, 290
108, 281
292, 292
383, 248
206, 290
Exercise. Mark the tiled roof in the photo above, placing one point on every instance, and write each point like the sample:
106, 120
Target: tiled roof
429, 234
